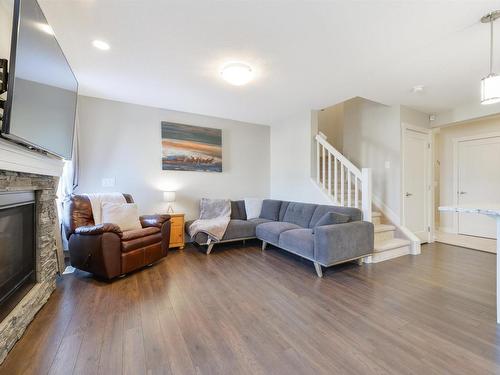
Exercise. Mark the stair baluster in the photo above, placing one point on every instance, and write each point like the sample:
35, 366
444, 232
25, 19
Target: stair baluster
357, 181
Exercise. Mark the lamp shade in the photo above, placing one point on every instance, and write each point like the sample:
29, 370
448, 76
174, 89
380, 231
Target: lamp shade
169, 196
490, 89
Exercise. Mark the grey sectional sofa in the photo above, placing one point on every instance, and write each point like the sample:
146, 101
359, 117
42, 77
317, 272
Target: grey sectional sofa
302, 228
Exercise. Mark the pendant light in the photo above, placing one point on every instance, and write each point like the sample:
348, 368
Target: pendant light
490, 85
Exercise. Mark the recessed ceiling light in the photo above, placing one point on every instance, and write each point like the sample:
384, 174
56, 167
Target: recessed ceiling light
99, 44
418, 88
45, 27
237, 73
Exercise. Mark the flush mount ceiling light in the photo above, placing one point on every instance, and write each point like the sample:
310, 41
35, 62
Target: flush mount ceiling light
490, 85
418, 88
99, 44
237, 73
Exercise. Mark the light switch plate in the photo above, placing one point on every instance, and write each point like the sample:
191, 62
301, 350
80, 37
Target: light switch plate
108, 182
387, 164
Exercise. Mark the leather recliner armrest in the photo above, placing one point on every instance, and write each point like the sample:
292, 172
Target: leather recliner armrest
153, 220
99, 229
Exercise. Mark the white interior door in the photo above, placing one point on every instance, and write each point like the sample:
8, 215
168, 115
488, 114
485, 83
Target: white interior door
416, 183
478, 184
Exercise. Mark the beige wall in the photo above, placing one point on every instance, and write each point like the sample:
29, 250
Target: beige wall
444, 154
331, 123
123, 141
372, 138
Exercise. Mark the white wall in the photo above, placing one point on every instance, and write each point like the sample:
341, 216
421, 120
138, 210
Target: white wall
467, 112
6, 15
445, 158
416, 118
291, 161
372, 137
123, 141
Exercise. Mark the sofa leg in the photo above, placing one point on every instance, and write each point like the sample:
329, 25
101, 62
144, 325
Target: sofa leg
264, 244
359, 261
319, 271
209, 248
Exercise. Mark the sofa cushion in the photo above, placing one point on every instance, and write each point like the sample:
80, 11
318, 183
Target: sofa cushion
270, 232
298, 241
125, 215
253, 207
238, 210
331, 218
299, 213
236, 229
355, 214
239, 229
137, 243
138, 233
284, 206
259, 220
270, 209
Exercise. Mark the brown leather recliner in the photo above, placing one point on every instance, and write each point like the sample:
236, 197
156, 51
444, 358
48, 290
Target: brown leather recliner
104, 249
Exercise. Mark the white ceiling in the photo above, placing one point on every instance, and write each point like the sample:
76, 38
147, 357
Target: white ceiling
308, 54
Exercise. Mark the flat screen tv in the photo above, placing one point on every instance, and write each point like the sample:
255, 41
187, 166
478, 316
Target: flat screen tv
42, 90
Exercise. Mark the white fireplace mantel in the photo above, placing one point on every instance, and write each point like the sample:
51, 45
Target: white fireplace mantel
20, 159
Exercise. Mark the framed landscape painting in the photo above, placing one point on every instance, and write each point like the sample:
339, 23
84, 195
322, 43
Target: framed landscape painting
191, 148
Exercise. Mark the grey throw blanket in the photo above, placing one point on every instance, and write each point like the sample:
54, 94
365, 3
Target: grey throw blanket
214, 219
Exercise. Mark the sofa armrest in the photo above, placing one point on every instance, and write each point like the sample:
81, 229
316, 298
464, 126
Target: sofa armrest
153, 220
99, 229
338, 242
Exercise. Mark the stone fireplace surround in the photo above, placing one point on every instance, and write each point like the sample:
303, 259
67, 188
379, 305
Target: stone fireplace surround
23, 170
45, 187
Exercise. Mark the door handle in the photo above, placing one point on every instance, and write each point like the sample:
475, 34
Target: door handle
408, 194
462, 192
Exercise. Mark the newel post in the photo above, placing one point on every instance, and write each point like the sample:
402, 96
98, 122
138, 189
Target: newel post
317, 161
366, 193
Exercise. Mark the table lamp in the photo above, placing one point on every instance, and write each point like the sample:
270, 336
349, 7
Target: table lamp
169, 196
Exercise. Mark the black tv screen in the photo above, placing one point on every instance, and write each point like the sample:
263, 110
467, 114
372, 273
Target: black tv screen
42, 89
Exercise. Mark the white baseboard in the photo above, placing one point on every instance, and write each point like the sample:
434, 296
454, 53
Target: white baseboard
388, 212
396, 221
449, 230
389, 254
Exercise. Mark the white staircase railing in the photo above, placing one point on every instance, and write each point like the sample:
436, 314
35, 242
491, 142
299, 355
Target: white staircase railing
344, 183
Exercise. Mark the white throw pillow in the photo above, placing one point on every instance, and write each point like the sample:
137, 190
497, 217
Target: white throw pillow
125, 215
253, 206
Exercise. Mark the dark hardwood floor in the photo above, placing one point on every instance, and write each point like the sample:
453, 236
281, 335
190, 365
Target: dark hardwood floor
242, 311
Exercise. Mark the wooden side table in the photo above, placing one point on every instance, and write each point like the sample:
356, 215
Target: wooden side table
177, 230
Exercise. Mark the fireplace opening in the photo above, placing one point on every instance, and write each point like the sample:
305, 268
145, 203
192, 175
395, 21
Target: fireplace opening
17, 248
